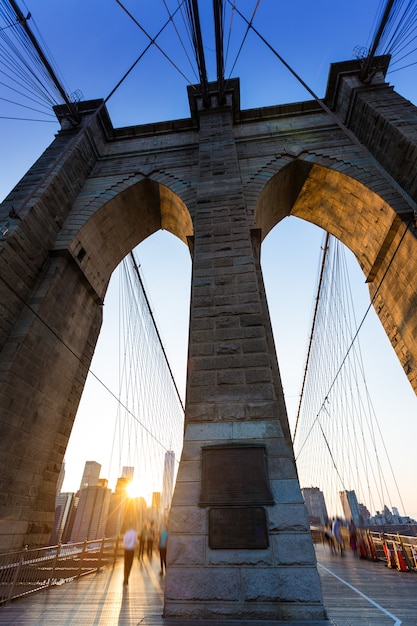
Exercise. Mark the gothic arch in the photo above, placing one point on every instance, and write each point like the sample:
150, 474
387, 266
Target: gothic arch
118, 225
383, 244
60, 326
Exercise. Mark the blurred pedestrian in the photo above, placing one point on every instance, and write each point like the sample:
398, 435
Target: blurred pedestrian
150, 539
142, 541
163, 541
353, 537
130, 541
337, 534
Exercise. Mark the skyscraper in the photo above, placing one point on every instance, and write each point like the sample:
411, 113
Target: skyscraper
128, 471
117, 507
168, 480
350, 506
91, 516
63, 506
91, 474
315, 504
60, 478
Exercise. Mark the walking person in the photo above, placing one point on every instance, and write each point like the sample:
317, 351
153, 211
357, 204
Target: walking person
337, 534
142, 541
130, 541
163, 541
353, 541
150, 539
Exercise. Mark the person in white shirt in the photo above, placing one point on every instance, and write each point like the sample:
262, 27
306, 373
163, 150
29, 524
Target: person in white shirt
130, 541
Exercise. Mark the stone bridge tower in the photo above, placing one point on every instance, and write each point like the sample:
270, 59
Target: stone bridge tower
240, 545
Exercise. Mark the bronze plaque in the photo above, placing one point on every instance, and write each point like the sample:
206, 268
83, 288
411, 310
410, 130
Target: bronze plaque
240, 528
234, 475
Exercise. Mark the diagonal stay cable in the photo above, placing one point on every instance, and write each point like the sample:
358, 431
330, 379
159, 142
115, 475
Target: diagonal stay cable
60, 159
322, 407
180, 39
334, 118
81, 361
153, 40
331, 454
249, 26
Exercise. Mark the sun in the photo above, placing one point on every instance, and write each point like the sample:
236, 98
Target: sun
132, 489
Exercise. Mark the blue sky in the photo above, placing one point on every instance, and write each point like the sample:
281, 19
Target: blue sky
93, 43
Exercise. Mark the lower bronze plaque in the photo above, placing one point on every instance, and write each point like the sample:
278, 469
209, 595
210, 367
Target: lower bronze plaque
240, 528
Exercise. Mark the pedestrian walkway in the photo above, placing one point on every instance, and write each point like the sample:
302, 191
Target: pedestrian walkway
356, 593
364, 593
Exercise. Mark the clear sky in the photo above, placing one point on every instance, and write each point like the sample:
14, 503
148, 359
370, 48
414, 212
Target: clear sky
93, 43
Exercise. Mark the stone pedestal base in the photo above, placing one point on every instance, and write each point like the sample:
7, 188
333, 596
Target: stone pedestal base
278, 582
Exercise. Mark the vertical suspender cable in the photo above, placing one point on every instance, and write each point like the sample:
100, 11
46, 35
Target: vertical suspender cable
136, 268
323, 261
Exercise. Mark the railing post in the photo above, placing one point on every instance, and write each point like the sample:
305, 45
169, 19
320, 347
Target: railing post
54, 564
116, 550
17, 573
82, 558
100, 558
408, 561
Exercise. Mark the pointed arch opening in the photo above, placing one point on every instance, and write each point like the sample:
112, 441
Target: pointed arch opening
381, 241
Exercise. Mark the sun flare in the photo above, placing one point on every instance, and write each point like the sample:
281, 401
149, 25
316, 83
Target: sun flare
133, 489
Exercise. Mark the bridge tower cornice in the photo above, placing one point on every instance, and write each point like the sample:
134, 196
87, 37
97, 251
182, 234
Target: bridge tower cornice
228, 96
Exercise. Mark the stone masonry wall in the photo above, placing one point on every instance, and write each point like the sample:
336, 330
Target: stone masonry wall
234, 396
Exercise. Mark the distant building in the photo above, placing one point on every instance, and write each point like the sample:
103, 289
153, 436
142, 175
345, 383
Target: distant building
155, 511
128, 472
388, 518
168, 481
63, 506
316, 505
350, 507
117, 506
92, 510
91, 474
60, 478
364, 513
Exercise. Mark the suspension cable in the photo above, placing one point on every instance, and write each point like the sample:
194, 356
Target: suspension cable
357, 331
249, 26
80, 359
153, 40
197, 39
336, 119
323, 262
61, 158
75, 118
136, 268
218, 9
180, 39
348, 434
364, 75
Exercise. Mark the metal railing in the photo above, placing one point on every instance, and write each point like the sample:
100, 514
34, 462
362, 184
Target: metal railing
35, 569
398, 551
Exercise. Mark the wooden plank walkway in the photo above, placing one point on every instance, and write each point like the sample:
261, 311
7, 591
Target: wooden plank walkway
363, 593
356, 593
